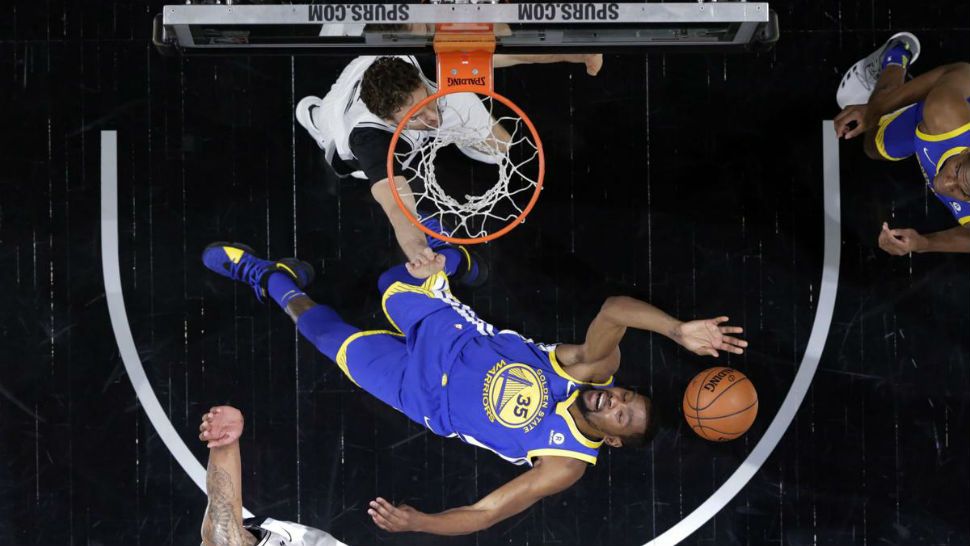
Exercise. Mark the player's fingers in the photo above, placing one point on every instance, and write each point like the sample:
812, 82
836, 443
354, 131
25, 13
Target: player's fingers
378, 520
386, 510
735, 341
732, 330
859, 129
720, 319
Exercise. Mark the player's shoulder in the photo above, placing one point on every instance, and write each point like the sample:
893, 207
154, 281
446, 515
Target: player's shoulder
945, 115
367, 136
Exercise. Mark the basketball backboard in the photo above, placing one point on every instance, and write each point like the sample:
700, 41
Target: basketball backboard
408, 28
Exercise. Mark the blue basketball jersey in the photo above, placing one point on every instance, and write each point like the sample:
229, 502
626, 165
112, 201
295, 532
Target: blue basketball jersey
510, 395
932, 151
899, 136
493, 389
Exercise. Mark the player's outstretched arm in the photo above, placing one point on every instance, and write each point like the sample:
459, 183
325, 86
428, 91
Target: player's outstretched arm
599, 356
593, 61
222, 524
410, 238
902, 241
549, 476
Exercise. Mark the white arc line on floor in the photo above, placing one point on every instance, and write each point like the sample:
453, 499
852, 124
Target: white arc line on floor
119, 317
806, 371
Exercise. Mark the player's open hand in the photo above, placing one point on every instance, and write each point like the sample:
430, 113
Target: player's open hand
707, 337
395, 519
900, 242
426, 264
843, 122
221, 426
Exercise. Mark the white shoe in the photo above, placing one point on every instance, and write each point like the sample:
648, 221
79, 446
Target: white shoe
305, 110
858, 83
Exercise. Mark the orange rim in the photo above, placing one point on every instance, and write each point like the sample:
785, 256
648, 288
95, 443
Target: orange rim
463, 240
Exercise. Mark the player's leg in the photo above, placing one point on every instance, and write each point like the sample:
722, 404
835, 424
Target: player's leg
467, 268
900, 136
879, 73
374, 360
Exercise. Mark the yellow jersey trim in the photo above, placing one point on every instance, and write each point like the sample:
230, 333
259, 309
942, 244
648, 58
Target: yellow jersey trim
402, 287
562, 410
468, 258
561, 453
562, 372
949, 134
342, 353
964, 221
947, 155
884, 123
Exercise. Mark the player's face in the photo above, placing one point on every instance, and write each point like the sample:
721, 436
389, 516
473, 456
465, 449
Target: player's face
425, 119
953, 180
615, 411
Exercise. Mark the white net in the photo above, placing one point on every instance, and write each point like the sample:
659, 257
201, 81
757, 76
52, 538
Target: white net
485, 130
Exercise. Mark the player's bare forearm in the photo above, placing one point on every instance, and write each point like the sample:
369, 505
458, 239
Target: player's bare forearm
454, 522
917, 89
502, 61
409, 238
955, 239
593, 61
222, 524
622, 312
600, 351
549, 476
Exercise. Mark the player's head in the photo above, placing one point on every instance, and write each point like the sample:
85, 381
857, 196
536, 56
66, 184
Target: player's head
391, 86
953, 180
623, 417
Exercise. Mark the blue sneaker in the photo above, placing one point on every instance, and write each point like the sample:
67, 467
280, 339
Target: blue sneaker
239, 263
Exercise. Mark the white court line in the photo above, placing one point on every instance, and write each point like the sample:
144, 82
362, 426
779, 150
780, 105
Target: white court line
119, 317
806, 371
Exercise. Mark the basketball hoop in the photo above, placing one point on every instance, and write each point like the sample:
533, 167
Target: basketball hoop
486, 127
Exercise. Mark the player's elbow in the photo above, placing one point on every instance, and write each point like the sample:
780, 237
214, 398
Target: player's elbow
613, 305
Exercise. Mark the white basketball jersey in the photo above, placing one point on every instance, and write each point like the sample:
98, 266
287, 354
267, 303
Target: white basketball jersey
342, 110
286, 533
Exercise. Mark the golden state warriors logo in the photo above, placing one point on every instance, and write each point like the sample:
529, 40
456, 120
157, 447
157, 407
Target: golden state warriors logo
515, 395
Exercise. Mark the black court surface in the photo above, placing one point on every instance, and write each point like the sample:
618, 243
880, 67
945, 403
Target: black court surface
691, 181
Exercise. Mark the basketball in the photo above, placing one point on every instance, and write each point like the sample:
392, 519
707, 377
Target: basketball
720, 404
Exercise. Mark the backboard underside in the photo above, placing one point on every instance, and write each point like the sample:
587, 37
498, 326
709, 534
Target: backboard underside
538, 27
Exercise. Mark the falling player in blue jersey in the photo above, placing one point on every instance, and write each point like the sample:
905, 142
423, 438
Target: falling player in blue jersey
550, 407
929, 117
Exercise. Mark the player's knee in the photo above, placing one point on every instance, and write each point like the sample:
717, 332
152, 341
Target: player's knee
386, 279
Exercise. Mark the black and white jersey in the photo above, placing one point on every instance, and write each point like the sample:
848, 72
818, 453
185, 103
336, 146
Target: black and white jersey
356, 141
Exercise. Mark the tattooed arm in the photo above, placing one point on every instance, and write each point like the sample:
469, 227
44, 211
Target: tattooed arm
222, 524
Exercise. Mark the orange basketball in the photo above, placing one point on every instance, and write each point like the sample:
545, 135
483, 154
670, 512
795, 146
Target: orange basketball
720, 404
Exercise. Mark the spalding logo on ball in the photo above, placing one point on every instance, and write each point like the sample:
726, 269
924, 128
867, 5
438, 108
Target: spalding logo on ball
720, 404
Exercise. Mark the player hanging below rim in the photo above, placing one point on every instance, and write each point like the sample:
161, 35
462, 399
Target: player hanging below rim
547, 406
353, 125
929, 117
